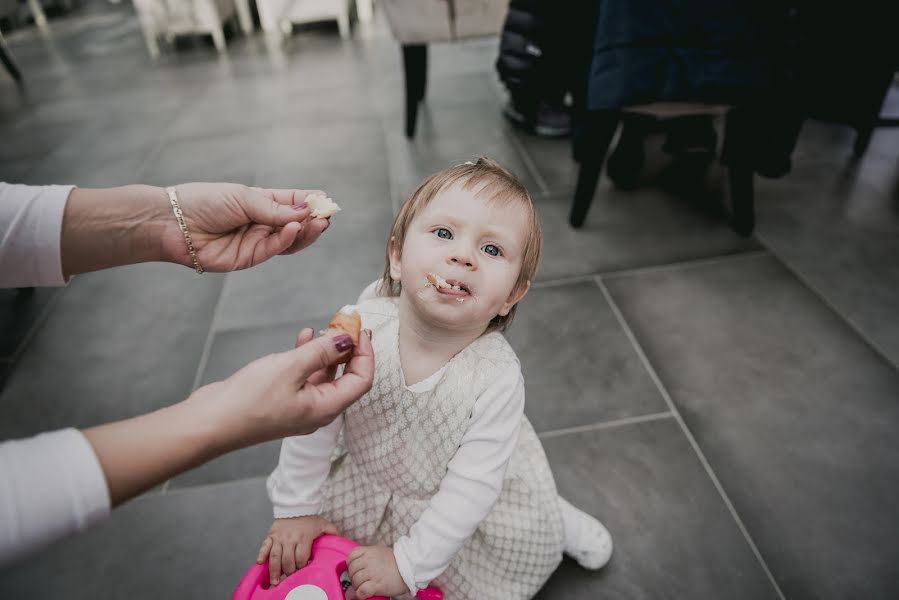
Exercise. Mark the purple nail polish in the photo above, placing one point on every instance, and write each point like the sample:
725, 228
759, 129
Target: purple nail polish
343, 342
300, 206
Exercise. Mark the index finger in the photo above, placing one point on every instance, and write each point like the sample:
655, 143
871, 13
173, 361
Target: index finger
288, 197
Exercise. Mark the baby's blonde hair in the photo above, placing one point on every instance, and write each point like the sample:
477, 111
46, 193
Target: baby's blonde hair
497, 184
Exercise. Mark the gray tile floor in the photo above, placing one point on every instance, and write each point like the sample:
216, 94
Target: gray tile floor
727, 407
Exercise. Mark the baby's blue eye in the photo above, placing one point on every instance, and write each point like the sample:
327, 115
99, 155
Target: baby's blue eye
443, 233
492, 250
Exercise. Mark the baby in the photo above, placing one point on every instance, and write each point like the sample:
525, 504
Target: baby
437, 470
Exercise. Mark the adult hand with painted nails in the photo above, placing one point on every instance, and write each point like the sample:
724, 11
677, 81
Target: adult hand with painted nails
279, 395
48, 234
231, 226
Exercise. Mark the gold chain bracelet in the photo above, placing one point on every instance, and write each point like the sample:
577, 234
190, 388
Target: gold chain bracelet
179, 216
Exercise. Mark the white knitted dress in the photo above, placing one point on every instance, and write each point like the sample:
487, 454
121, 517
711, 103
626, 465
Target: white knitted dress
395, 451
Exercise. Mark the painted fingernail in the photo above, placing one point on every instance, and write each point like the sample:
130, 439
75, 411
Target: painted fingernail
300, 206
343, 342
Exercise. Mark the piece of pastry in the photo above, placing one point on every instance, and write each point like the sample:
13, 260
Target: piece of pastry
321, 205
346, 320
437, 281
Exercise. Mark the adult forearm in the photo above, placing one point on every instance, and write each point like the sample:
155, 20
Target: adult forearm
139, 453
117, 226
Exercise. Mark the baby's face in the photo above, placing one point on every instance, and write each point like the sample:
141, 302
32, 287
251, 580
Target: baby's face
476, 245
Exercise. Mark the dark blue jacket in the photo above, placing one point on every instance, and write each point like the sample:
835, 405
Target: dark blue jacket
711, 51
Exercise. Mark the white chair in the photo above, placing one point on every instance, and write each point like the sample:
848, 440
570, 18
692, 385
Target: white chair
278, 16
174, 17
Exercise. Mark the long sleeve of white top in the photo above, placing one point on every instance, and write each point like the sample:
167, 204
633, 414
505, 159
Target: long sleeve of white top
30, 234
467, 493
51, 485
294, 487
471, 486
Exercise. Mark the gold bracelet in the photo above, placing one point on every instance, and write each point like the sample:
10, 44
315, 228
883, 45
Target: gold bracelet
179, 216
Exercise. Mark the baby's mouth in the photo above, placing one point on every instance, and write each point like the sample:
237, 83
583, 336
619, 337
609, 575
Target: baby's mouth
450, 287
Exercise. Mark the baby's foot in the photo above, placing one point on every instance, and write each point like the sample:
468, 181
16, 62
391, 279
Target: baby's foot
586, 540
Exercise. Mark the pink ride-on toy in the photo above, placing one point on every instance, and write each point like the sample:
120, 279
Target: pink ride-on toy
323, 578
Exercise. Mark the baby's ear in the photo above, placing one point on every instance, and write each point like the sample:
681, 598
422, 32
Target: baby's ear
393, 254
515, 297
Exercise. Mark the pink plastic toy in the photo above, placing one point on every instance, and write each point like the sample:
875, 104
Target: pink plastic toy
320, 579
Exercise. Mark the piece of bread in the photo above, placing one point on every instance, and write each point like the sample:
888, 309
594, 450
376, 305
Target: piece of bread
346, 320
321, 206
437, 281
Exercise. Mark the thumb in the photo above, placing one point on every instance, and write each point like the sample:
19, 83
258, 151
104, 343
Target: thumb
319, 354
263, 208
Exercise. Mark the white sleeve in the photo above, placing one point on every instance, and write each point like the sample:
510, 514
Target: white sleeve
51, 485
471, 486
30, 234
294, 487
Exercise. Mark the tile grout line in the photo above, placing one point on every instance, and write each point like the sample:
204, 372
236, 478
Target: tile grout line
204, 355
833, 307
605, 425
392, 187
551, 193
551, 283
684, 264
211, 484
529, 164
686, 431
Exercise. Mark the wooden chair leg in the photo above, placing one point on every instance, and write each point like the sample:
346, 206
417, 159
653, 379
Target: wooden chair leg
415, 70
592, 144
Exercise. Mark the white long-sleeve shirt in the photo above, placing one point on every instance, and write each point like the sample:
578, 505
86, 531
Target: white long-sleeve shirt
467, 493
50, 485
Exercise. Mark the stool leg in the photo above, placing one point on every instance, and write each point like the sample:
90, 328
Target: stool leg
423, 81
415, 65
592, 144
738, 156
742, 198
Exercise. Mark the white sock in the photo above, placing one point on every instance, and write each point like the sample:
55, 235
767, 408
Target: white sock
586, 539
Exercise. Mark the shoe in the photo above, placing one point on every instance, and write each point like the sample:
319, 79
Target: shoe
552, 121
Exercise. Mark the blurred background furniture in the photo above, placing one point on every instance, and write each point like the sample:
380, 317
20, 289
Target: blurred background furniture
278, 16
415, 23
178, 17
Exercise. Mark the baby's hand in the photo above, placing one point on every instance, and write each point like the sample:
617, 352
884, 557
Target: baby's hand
373, 572
288, 543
